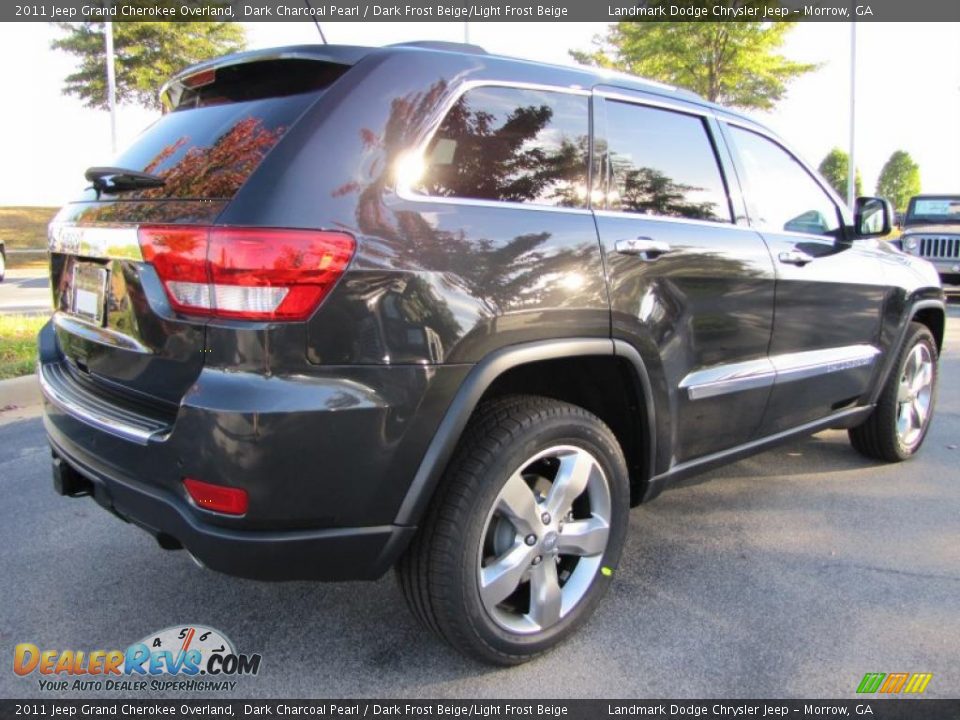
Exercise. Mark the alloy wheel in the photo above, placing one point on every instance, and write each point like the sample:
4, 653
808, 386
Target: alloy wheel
914, 395
544, 539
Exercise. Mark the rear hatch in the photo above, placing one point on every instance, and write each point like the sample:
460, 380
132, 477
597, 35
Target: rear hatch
118, 251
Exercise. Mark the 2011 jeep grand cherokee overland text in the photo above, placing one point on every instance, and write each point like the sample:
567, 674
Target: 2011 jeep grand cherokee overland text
343, 309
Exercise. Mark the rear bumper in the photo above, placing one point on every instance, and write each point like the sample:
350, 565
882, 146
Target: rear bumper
363, 553
326, 460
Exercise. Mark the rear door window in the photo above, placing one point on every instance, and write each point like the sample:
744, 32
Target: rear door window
512, 145
661, 162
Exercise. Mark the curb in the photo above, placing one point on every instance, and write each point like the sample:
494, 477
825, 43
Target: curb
20, 392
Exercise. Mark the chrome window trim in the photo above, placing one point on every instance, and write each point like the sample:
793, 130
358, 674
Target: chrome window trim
410, 196
419, 148
715, 224
114, 242
765, 372
616, 96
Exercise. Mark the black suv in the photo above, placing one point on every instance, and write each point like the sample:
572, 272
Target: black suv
343, 309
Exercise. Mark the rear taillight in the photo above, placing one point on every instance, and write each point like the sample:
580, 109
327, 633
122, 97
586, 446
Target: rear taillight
246, 273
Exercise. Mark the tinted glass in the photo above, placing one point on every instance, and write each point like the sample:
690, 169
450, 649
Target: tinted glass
930, 209
252, 81
524, 146
662, 163
209, 152
781, 194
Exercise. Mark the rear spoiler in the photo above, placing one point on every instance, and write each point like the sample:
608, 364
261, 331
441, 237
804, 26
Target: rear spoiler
196, 75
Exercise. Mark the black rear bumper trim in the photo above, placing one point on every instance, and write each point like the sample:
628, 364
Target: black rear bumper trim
331, 554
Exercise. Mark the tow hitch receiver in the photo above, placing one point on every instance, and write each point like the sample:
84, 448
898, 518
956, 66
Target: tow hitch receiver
67, 481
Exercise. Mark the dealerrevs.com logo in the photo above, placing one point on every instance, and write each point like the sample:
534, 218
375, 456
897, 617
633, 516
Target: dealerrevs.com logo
182, 658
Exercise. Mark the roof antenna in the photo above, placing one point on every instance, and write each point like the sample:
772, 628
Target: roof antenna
315, 21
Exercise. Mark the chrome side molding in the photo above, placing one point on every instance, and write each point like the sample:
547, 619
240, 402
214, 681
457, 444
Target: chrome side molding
735, 377
764, 372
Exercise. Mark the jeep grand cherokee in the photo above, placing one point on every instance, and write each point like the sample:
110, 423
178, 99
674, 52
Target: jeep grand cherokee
342, 309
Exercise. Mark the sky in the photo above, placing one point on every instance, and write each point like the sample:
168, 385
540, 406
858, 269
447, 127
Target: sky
908, 94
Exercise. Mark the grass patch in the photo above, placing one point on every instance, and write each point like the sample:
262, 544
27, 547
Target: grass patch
25, 228
18, 344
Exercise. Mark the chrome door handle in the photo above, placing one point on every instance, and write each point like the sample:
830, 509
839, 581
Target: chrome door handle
644, 247
795, 257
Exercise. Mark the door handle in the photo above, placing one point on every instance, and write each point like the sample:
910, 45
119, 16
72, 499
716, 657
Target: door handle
795, 257
644, 247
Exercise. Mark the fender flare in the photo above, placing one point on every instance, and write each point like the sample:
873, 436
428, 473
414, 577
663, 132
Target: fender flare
479, 379
896, 346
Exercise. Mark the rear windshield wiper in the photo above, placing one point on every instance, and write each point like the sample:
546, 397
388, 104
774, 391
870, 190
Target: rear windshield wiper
116, 180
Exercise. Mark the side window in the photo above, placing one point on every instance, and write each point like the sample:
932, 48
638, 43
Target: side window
781, 195
510, 144
661, 162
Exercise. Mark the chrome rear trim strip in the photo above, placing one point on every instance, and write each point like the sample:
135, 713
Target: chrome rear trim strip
116, 242
764, 372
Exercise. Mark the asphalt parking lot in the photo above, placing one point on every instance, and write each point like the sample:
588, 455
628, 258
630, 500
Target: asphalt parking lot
24, 292
790, 574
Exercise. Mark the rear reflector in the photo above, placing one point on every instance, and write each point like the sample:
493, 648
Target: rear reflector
246, 273
227, 500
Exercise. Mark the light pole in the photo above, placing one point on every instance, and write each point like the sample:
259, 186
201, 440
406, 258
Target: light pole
852, 162
111, 88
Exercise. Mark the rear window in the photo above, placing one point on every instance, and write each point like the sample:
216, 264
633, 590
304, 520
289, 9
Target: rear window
214, 136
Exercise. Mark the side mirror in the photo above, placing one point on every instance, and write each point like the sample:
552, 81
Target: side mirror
873, 216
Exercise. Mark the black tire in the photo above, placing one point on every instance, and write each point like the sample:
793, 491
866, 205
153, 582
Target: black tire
3, 265
878, 438
439, 574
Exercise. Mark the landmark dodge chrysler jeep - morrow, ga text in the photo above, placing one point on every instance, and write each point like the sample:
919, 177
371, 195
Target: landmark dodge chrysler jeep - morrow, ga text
343, 309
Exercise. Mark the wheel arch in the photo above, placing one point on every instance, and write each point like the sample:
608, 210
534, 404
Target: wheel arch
930, 312
934, 316
546, 368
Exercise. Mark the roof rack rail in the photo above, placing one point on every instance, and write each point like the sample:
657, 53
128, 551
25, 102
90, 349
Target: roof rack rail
443, 45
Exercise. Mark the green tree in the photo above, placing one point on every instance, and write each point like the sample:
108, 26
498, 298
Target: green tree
147, 54
899, 179
735, 63
834, 168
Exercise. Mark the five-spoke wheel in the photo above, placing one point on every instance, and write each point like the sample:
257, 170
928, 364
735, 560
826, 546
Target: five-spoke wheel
544, 538
898, 424
523, 536
914, 395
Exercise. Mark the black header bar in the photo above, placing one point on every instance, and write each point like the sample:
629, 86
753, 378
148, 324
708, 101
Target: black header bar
868, 707
485, 11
